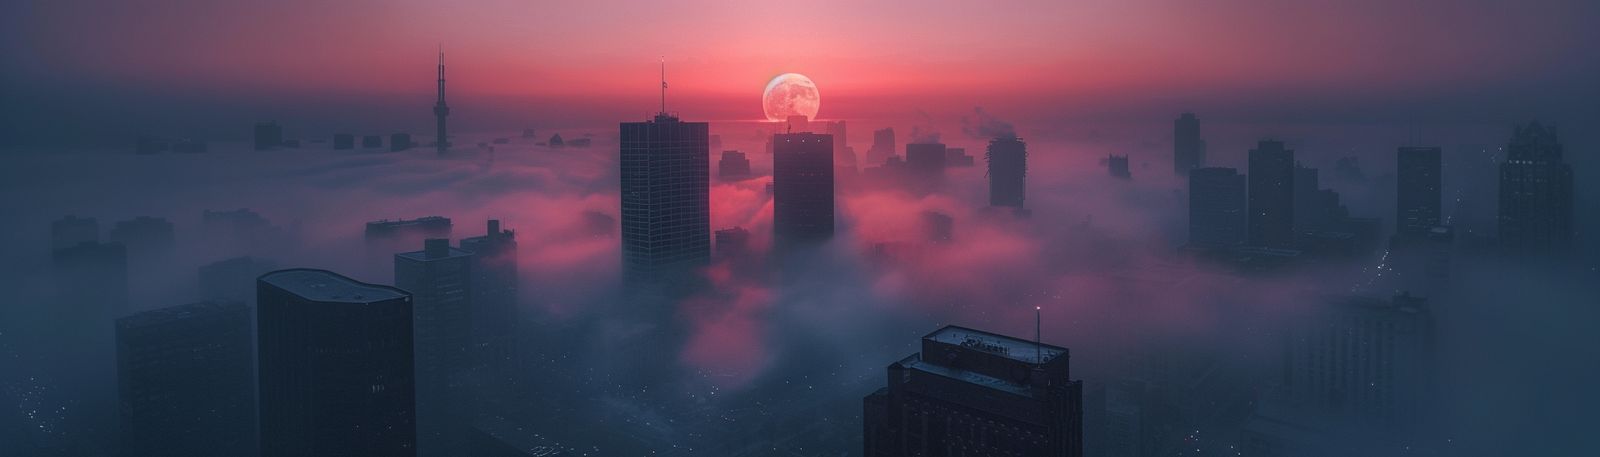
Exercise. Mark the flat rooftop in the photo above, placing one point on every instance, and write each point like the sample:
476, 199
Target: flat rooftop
915, 362
993, 343
423, 255
330, 287
180, 312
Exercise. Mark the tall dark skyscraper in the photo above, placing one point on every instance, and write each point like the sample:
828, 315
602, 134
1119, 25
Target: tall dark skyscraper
802, 183
733, 166
1417, 190
1188, 150
335, 366
1535, 192
184, 378
925, 159
1008, 171
883, 146
979, 393
1272, 195
1217, 207
441, 111
666, 199
440, 281
494, 294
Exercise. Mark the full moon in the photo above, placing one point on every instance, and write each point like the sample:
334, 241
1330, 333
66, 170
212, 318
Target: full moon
790, 94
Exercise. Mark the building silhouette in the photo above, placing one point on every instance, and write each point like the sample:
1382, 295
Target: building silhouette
145, 237
384, 237
1008, 171
733, 166
400, 142
441, 111
344, 141
1417, 190
1117, 166
925, 161
1188, 150
1535, 192
1364, 358
439, 279
185, 379
971, 392
268, 135
372, 141
937, 227
733, 243
1217, 208
957, 157
335, 366
802, 183
666, 216
883, 146
494, 295
233, 279
1271, 196
71, 230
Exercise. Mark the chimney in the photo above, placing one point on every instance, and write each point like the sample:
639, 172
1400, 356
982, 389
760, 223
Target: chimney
494, 228
434, 248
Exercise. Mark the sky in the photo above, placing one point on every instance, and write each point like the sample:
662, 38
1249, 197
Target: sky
176, 65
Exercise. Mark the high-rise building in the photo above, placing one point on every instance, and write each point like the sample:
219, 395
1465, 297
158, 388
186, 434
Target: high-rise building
971, 392
335, 366
441, 111
666, 215
883, 146
1535, 192
1008, 171
71, 231
439, 278
1363, 357
185, 381
802, 183
1188, 150
233, 279
797, 123
494, 294
733, 243
145, 236
1271, 179
1217, 208
840, 141
957, 157
344, 141
1117, 166
268, 135
733, 166
925, 159
1417, 190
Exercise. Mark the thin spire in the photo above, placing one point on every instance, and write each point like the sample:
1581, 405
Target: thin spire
663, 85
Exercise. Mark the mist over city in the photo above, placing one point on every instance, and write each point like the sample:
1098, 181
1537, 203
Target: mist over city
622, 228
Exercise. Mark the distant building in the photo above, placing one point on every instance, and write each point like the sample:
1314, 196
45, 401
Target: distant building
439, 279
665, 199
344, 141
334, 354
1271, 195
925, 159
798, 123
1417, 190
883, 146
189, 146
1535, 192
145, 237
1118, 166
400, 142
385, 237
937, 227
1363, 358
233, 279
185, 381
1217, 208
841, 140
556, 142
1188, 150
146, 144
494, 294
957, 157
1422, 263
372, 141
1008, 170
71, 231
733, 243
733, 166
802, 183
971, 392
268, 135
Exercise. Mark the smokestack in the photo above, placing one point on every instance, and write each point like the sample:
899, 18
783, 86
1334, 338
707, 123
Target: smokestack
435, 248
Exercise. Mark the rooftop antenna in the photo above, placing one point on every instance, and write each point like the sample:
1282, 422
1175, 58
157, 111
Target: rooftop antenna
1038, 348
663, 85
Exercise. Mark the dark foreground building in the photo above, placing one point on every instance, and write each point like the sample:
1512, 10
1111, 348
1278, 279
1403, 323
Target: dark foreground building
974, 393
335, 366
802, 183
183, 378
666, 199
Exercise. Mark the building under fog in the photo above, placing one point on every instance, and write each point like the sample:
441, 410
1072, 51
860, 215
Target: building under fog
1008, 171
1217, 208
666, 213
439, 279
1535, 192
70, 231
335, 366
971, 392
802, 183
494, 295
1188, 150
733, 166
1418, 179
1271, 195
185, 379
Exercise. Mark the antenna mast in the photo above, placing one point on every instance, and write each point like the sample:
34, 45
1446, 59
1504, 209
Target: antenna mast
663, 85
1038, 348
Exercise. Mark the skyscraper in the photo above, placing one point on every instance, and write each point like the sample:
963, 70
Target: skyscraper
979, 393
666, 215
1217, 207
1363, 357
802, 183
1188, 150
733, 166
1117, 166
440, 280
1271, 195
184, 378
335, 366
1535, 192
883, 146
1417, 191
1008, 170
494, 294
925, 159
268, 135
441, 111
840, 141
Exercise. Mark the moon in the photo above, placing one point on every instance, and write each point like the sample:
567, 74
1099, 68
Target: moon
790, 94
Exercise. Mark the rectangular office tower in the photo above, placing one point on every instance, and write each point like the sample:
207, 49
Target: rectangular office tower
494, 294
1417, 193
666, 199
335, 366
971, 392
1188, 150
439, 278
1272, 195
1535, 192
184, 378
1216, 208
1008, 169
802, 186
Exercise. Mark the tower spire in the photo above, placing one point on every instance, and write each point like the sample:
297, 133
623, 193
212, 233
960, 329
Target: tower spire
663, 85
441, 110
1038, 348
